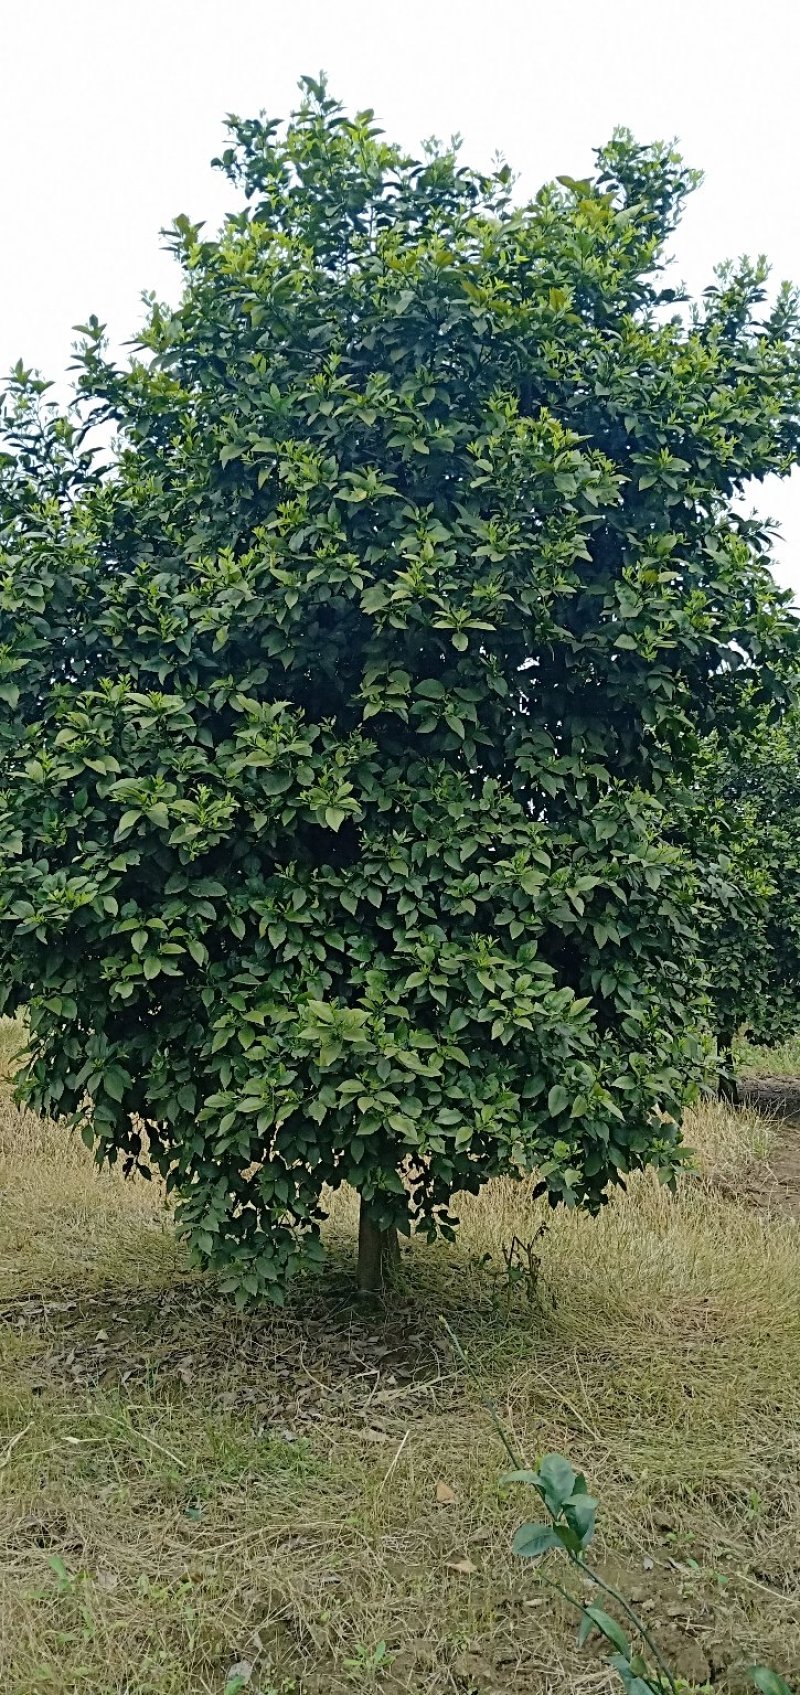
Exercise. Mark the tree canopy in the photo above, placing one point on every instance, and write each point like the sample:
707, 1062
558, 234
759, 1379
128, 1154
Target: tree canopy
337, 700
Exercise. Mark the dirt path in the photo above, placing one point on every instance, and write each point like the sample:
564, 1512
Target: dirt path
779, 1099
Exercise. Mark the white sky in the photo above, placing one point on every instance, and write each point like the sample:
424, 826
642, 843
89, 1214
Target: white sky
111, 109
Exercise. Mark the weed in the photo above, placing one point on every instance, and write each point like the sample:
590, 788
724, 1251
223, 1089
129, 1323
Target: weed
367, 1665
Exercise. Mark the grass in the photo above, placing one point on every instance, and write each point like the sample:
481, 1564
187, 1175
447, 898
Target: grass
184, 1490
782, 1061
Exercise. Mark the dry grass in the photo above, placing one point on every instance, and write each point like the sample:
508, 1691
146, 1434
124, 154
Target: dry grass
782, 1061
182, 1488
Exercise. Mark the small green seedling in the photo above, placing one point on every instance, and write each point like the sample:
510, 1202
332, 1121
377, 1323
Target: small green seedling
568, 1528
368, 1664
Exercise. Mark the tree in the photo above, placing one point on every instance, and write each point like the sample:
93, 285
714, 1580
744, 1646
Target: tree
337, 698
740, 824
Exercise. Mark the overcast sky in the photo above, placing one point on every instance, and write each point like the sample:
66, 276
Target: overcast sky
110, 111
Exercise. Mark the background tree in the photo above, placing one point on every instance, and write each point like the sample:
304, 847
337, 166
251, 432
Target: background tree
335, 708
740, 823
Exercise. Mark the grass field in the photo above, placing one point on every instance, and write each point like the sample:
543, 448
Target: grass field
770, 1062
314, 1496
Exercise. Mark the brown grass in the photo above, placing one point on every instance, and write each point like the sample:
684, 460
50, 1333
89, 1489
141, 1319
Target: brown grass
183, 1489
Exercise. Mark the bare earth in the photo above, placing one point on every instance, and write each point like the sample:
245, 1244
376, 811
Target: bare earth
778, 1184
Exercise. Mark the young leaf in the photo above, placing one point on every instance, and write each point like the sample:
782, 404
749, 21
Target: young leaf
558, 1479
609, 1628
533, 1540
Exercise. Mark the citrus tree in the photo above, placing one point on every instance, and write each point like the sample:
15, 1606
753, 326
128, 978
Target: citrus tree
740, 823
336, 697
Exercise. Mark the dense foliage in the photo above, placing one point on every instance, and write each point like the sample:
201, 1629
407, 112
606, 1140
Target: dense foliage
334, 708
739, 821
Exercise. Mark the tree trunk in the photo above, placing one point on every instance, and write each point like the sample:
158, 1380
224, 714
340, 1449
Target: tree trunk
378, 1255
727, 1087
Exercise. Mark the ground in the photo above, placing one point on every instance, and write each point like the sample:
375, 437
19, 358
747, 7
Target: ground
311, 1501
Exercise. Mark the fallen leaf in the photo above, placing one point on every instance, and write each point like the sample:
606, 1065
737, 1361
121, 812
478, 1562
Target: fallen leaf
465, 1568
445, 1496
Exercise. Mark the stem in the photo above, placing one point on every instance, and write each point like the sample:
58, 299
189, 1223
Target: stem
486, 1400
634, 1618
580, 1606
595, 1577
550, 1583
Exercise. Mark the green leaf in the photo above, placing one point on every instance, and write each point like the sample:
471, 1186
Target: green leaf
558, 1479
127, 822
236, 1684
609, 1628
768, 1681
534, 1540
557, 1100
115, 1082
580, 1512
632, 1682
